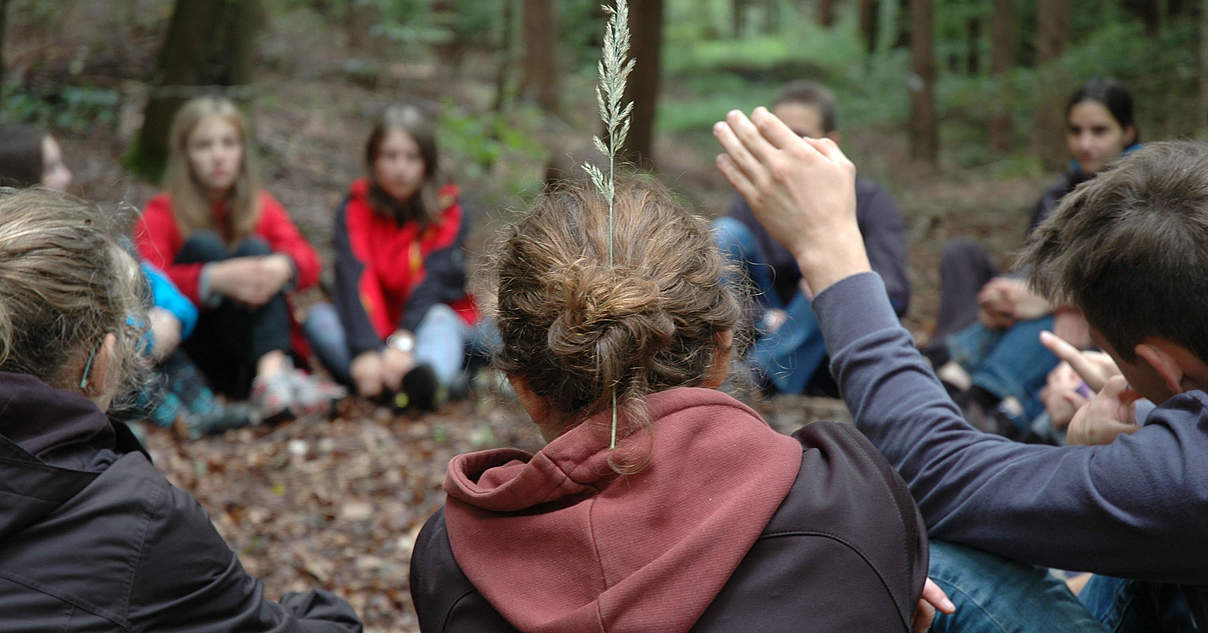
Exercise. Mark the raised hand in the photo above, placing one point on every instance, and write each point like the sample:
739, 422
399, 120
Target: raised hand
801, 190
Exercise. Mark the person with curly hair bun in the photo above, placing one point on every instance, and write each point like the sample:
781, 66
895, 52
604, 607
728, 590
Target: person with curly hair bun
701, 506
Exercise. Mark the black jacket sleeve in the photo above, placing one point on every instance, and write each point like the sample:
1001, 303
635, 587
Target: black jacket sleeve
445, 600
884, 233
444, 279
189, 580
358, 331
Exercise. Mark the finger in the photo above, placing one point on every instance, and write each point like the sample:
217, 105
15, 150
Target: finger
924, 615
830, 149
750, 136
1078, 362
774, 130
751, 168
739, 180
936, 597
1074, 398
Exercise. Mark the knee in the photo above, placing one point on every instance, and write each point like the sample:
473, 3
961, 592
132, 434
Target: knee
252, 246
962, 250
321, 317
202, 246
733, 237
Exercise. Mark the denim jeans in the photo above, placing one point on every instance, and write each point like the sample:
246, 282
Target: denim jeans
997, 595
440, 341
791, 355
1007, 363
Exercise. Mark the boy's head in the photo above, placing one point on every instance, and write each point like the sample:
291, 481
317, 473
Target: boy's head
1130, 249
808, 108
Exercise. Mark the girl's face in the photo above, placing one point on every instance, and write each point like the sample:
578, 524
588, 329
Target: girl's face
55, 174
399, 166
1094, 137
215, 151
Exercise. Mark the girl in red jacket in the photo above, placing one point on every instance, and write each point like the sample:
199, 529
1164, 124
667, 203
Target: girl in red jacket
232, 249
401, 314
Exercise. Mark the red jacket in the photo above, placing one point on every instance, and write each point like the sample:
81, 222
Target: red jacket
158, 238
388, 273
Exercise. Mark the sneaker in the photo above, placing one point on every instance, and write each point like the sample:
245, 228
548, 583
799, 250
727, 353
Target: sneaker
312, 394
273, 396
419, 390
219, 418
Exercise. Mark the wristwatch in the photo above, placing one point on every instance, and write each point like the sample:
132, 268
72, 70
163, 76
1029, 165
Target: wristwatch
402, 341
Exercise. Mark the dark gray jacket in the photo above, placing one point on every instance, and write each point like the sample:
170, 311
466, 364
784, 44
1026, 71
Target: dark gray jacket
93, 538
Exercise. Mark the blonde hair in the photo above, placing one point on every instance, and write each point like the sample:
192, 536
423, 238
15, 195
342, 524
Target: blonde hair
576, 328
66, 282
193, 211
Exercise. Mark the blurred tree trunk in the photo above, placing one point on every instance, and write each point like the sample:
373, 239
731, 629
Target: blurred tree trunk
924, 132
826, 13
973, 52
737, 14
207, 44
3, 24
1052, 34
868, 24
540, 80
771, 16
1203, 118
1001, 56
646, 27
360, 19
505, 54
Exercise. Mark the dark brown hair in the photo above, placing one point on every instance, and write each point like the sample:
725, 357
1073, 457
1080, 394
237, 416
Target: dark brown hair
423, 205
20, 155
813, 94
576, 328
1130, 249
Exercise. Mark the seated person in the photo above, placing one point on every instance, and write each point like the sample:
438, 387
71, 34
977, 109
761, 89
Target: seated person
94, 537
1131, 510
179, 394
402, 314
232, 249
700, 505
985, 342
789, 355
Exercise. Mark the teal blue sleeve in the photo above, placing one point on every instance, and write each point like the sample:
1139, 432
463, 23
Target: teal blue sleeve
164, 294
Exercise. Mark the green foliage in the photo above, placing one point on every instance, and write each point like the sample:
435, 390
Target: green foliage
61, 107
491, 145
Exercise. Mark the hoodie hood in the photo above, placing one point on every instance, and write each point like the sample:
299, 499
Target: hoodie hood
44, 434
558, 542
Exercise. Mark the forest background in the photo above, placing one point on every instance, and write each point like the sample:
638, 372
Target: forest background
955, 105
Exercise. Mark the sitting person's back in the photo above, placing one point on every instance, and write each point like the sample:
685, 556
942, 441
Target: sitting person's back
702, 517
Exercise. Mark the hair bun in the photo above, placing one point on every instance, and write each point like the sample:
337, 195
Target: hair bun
607, 309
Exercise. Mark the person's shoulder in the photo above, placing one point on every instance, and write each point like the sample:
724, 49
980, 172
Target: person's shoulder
160, 205
269, 204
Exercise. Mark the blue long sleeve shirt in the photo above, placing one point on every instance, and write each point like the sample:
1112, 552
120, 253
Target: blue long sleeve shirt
1136, 508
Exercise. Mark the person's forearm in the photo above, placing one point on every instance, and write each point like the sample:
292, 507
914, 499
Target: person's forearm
844, 256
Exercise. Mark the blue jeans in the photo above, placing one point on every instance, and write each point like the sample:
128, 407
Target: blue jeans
999, 595
440, 341
1007, 363
791, 355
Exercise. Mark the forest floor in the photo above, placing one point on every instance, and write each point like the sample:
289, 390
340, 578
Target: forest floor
337, 503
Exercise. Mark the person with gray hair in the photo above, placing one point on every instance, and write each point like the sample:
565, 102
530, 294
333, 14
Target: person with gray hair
92, 536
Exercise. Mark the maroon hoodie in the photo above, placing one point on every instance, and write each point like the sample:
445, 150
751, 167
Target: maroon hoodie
559, 542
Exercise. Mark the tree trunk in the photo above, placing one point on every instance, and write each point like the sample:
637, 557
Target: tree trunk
1052, 34
868, 24
207, 44
737, 14
540, 45
360, 19
826, 13
3, 24
646, 27
973, 52
505, 55
1203, 118
924, 133
1001, 57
